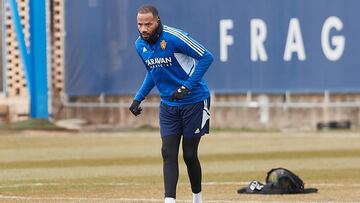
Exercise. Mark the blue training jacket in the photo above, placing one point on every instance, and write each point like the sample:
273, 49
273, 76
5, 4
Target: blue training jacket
174, 60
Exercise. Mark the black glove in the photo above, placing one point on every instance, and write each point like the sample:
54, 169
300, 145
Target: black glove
135, 108
180, 93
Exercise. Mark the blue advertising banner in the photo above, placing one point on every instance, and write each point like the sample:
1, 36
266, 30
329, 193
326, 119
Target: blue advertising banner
259, 45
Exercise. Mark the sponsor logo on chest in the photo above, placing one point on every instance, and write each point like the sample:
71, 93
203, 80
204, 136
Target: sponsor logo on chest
159, 62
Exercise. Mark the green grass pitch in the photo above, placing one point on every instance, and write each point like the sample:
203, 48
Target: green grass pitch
49, 166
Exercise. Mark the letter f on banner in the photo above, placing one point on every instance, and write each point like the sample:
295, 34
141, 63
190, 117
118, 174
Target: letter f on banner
225, 39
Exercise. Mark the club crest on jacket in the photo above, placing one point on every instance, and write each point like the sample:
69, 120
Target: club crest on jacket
163, 44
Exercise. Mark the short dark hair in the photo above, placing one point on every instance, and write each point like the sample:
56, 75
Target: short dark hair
149, 9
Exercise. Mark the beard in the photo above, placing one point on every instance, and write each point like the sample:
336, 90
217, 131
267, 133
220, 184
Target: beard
152, 37
146, 35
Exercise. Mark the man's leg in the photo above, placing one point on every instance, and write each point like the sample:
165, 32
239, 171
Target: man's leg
170, 130
196, 124
190, 153
170, 151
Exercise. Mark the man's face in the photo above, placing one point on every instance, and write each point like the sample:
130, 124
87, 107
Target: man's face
147, 24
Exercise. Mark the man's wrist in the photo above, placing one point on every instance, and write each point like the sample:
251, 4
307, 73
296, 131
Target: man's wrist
136, 101
187, 85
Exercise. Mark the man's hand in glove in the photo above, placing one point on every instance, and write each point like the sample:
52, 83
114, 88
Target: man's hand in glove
180, 93
135, 108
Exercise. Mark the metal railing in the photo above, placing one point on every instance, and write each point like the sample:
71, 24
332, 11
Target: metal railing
262, 102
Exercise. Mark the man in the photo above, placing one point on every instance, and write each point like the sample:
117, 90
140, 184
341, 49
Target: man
175, 64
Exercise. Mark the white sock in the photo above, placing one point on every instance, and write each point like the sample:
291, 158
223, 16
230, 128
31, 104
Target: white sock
197, 198
169, 200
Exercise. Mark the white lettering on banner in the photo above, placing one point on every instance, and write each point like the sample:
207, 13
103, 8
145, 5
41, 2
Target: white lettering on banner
257, 38
332, 46
225, 39
294, 42
337, 41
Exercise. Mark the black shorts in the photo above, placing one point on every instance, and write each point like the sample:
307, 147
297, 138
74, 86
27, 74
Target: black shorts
191, 120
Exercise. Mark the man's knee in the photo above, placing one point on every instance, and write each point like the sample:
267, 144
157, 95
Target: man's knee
170, 148
190, 150
189, 156
169, 153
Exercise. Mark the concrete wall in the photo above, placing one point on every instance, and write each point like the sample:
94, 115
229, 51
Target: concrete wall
278, 117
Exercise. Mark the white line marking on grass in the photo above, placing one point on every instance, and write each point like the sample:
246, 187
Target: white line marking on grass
87, 199
111, 199
106, 184
309, 184
27, 185
80, 199
336, 184
143, 184
57, 184
226, 183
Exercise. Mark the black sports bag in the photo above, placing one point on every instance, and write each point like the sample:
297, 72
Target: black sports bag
278, 181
